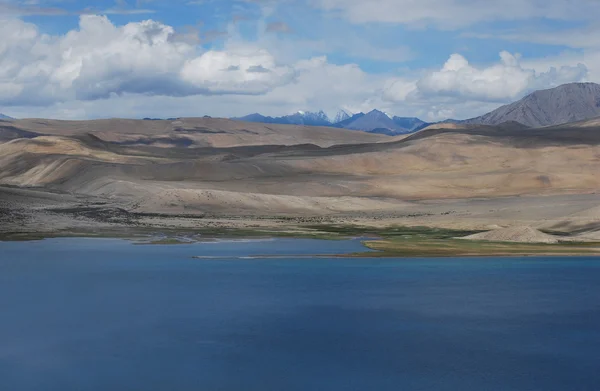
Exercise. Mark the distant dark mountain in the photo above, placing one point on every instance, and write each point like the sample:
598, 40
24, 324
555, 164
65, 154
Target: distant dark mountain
309, 118
299, 118
379, 122
255, 117
5, 117
410, 124
566, 103
348, 121
374, 119
374, 122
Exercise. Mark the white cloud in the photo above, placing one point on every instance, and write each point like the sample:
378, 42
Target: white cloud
461, 90
506, 80
497, 82
100, 59
318, 84
145, 69
399, 89
245, 71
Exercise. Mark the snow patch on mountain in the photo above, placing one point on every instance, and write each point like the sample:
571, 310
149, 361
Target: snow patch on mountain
342, 115
374, 121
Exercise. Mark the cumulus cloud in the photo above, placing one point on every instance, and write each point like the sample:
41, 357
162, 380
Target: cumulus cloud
99, 60
145, 69
251, 71
399, 89
321, 84
457, 77
257, 69
148, 69
461, 90
318, 84
499, 82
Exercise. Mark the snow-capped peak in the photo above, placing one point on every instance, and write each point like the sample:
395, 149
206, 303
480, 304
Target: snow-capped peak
342, 115
309, 118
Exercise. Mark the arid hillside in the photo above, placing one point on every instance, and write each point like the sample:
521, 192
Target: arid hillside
192, 132
228, 168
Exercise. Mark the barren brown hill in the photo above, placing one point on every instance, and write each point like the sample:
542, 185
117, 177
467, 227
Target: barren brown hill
449, 125
559, 105
535, 176
9, 132
589, 123
196, 132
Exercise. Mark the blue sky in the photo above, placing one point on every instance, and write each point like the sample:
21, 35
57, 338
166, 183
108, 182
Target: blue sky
433, 58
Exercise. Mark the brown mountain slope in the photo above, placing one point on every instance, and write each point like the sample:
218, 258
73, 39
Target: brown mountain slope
559, 105
432, 164
481, 177
196, 132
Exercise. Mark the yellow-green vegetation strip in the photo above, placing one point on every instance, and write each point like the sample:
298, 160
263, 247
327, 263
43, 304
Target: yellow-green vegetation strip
400, 241
457, 247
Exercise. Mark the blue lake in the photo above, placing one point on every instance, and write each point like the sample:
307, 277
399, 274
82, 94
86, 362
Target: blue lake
96, 314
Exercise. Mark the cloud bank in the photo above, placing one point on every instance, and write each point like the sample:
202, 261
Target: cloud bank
100, 59
149, 68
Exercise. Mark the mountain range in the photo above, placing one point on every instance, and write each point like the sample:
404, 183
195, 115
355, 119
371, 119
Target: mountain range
563, 104
300, 118
374, 121
119, 174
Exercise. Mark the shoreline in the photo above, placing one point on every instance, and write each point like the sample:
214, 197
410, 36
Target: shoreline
393, 242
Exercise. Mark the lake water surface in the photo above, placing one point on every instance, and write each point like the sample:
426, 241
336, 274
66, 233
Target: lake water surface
107, 315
